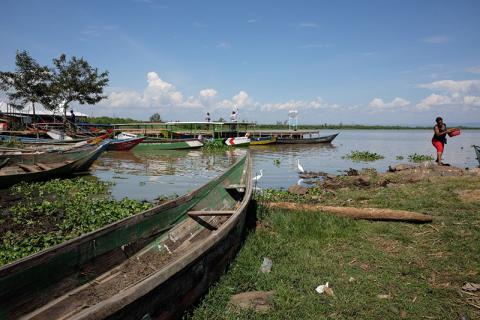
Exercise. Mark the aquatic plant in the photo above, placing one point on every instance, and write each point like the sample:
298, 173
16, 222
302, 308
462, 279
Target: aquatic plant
363, 156
49, 213
419, 157
400, 157
214, 145
277, 162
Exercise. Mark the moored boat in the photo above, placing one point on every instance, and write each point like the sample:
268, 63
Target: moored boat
124, 144
152, 265
305, 138
477, 152
15, 172
237, 141
256, 141
169, 144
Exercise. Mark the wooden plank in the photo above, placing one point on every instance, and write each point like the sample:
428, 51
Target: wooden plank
44, 166
194, 213
28, 168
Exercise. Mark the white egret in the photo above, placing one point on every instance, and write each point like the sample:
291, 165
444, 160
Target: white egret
300, 182
258, 177
300, 168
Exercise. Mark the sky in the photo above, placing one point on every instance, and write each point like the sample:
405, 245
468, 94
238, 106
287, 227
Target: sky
360, 62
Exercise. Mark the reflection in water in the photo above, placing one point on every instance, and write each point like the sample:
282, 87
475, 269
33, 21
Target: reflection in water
147, 174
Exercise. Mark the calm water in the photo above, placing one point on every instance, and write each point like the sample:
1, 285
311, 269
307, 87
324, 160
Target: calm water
147, 175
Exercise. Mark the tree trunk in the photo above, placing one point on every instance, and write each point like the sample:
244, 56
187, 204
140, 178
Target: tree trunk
33, 119
378, 214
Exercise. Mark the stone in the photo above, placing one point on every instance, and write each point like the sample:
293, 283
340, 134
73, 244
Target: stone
296, 189
259, 301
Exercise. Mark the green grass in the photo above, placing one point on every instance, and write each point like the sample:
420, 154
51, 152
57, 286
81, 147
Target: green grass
419, 157
421, 267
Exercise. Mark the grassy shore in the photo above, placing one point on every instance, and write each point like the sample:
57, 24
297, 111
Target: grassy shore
377, 270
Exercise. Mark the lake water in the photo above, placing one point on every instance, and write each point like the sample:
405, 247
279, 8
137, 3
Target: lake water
147, 175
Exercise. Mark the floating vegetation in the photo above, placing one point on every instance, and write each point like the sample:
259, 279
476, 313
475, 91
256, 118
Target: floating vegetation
214, 145
419, 157
363, 156
277, 162
48, 213
400, 158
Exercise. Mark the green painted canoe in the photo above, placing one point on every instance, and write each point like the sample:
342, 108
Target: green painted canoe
56, 282
168, 144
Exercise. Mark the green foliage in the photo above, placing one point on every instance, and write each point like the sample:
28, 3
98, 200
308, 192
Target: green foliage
75, 80
419, 157
215, 146
277, 162
400, 157
110, 120
29, 83
52, 212
155, 117
363, 156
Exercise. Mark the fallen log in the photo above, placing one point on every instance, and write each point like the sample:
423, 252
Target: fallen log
377, 214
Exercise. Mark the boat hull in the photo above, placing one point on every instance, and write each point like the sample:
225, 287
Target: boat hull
169, 145
324, 139
237, 141
124, 144
477, 152
259, 141
32, 282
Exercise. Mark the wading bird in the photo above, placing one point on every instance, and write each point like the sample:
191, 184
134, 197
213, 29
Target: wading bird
300, 168
258, 177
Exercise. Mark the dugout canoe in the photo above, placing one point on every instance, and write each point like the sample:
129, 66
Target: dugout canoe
477, 152
154, 264
12, 172
304, 139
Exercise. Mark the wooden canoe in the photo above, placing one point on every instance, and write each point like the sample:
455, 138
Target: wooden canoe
170, 253
124, 144
169, 144
303, 139
16, 172
477, 152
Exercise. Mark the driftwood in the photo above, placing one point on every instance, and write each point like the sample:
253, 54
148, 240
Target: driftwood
378, 214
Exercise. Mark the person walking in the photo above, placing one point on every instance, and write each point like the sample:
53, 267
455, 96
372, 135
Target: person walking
439, 139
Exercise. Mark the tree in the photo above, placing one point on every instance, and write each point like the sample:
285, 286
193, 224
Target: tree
75, 80
155, 117
29, 83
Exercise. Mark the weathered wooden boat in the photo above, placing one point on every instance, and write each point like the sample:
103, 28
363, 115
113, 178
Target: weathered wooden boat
169, 144
256, 141
15, 172
124, 144
477, 152
305, 138
46, 154
152, 265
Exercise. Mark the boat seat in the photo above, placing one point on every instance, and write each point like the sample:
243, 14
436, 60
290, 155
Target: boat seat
28, 168
44, 166
236, 191
204, 213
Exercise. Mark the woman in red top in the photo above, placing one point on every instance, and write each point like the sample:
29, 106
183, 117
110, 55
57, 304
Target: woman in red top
440, 138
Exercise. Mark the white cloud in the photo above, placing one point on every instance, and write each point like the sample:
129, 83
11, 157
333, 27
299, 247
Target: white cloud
434, 100
308, 24
438, 39
475, 69
317, 103
473, 101
379, 105
453, 86
241, 99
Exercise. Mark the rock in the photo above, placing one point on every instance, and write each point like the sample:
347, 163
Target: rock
400, 167
362, 181
259, 301
296, 189
351, 172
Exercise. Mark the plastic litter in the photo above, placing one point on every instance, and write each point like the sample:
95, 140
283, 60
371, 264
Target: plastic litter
266, 266
321, 288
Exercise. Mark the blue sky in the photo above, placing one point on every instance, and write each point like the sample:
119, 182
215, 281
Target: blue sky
386, 62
